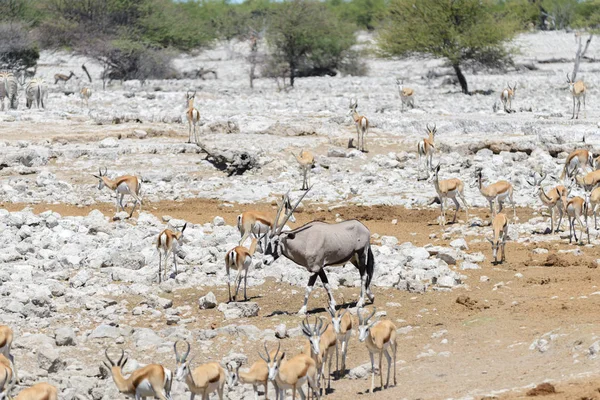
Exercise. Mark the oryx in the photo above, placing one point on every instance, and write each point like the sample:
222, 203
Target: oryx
317, 245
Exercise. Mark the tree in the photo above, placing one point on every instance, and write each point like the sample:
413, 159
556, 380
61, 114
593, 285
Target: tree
307, 37
465, 32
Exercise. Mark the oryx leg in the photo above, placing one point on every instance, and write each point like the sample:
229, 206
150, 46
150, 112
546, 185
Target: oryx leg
325, 281
309, 289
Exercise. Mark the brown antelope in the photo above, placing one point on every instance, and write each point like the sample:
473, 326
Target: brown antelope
258, 223
39, 391
426, 147
6, 340
362, 125
85, 94
342, 325
322, 341
576, 207
292, 373
258, 374
168, 243
500, 229
306, 161
6, 377
380, 337
589, 181
578, 159
499, 191
122, 185
240, 259
554, 199
448, 189
578, 91
153, 380
407, 95
193, 117
63, 78
507, 95
593, 199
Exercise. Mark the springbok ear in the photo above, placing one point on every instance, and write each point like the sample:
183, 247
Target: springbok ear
184, 226
96, 176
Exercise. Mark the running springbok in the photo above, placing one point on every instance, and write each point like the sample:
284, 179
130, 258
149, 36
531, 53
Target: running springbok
85, 94
578, 159
306, 161
63, 78
554, 199
292, 373
362, 125
317, 245
258, 223
380, 338
240, 259
577, 207
578, 91
426, 147
448, 189
342, 325
507, 96
193, 116
39, 391
499, 191
6, 340
168, 243
122, 185
407, 95
153, 380
500, 229
322, 341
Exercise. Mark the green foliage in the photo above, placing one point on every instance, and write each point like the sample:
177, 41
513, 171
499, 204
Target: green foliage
587, 15
365, 14
526, 12
560, 12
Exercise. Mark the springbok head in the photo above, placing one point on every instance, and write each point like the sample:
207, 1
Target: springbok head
182, 364
274, 363
431, 130
179, 234
100, 176
353, 105
512, 88
496, 244
232, 375
336, 318
536, 183
313, 333
433, 173
364, 326
189, 97
570, 82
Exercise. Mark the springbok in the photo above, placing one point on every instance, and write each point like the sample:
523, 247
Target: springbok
362, 125
240, 259
258, 223
292, 373
578, 159
448, 189
589, 181
555, 198
576, 207
153, 380
499, 191
306, 161
36, 93
6, 340
380, 337
593, 199
322, 341
258, 374
122, 185
426, 147
578, 91
317, 245
407, 95
85, 94
168, 242
507, 96
193, 116
39, 391
342, 325
498, 241
63, 78
7, 378
8, 89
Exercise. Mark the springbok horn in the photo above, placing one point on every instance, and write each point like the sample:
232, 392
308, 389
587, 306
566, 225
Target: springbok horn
122, 356
371, 316
288, 215
177, 359
360, 319
105, 170
187, 352
109, 360
184, 226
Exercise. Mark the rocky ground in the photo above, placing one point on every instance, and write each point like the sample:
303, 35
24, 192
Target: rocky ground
76, 278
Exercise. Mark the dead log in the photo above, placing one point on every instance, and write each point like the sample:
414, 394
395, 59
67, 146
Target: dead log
84, 68
233, 162
204, 71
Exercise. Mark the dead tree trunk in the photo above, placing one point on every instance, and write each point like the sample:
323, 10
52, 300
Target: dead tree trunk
84, 68
580, 54
233, 163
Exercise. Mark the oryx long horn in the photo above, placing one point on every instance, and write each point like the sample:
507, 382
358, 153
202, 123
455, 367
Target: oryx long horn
288, 215
274, 227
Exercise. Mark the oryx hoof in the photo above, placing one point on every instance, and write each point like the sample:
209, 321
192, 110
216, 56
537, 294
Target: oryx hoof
302, 311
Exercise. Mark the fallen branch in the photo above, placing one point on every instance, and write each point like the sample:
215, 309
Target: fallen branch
235, 163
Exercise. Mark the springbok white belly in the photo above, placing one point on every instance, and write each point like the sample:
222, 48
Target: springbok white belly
144, 389
123, 188
502, 196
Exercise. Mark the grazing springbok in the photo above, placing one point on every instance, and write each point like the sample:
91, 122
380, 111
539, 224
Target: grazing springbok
6, 377
499, 191
39, 391
193, 117
362, 125
380, 337
168, 243
240, 259
85, 94
63, 78
6, 340
322, 341
448, 189
122, 185
498, 241
153, 380
258, 223
507, 96
593, 200
342, 325
577, 207
554, 199
306, 160
407, 95
317, 245
578, 91
578, 159
9, 86
426, 147
292, 373
36, 93
202, 380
